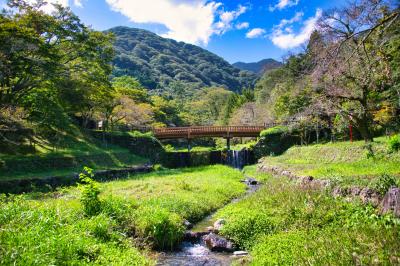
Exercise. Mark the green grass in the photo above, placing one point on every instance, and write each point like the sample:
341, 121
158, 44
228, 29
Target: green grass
286, 224
345, 162
192, 193
52, 228
66, 157
56, 232
73, 153
58, 164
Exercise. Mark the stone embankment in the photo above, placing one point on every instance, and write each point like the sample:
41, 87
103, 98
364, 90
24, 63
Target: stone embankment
390, 202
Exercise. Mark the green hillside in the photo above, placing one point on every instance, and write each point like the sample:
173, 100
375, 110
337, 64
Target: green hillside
259, 67
158, 62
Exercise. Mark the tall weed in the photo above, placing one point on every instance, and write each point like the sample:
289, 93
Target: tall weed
90, 192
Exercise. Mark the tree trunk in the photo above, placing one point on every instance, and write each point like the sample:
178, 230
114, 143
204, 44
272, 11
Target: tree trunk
363, 125
364, 122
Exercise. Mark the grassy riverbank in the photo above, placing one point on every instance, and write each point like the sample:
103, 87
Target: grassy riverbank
286, 224
53, 228
347, 163
68, 158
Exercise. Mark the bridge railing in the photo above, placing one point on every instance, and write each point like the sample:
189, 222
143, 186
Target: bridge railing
210, 129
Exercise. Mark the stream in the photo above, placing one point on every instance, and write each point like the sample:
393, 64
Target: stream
196, 252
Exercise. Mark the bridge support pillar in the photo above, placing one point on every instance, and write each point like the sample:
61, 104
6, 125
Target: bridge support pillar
189, 144
228, 144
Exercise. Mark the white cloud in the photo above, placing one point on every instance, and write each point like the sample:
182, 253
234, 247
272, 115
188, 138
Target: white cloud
297, 17
78, 3
192, 21
255, 33
283, 4
243, 25
226, 19
49, 7
285, 38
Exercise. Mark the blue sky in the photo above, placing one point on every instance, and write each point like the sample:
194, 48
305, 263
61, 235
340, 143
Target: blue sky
237, 30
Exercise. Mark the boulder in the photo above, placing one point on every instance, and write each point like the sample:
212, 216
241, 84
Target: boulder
321, 183
218, 243
339, 192
305, 180
391, 202
286, 173
354, 191
218, 225
187, 224
251, 181
194, 236
368, 195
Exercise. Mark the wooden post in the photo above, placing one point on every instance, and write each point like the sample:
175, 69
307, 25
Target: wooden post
228, 143
189, 143
351, 132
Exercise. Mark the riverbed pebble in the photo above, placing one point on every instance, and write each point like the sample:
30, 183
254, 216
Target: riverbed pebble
218, 225
391, 202
187, 224
240, 253
218, 243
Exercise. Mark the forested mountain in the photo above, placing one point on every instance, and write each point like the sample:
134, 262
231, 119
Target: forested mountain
159, 62
259, 67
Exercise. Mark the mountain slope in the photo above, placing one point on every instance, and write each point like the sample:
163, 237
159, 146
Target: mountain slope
259, 67
158, 62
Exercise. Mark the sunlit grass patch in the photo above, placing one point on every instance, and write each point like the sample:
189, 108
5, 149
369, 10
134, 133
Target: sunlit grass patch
56, 232
350, 163
286, 224
54, 229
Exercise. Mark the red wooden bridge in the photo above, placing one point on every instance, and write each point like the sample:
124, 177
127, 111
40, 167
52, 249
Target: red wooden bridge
189, 133
207, 131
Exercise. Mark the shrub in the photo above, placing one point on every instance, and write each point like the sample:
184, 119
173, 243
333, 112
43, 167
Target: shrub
394, 143
163, 229
369, 151
244, 226
169, 148
90, 192
119, 209
274, 130
138, 134
158, 167
383, 183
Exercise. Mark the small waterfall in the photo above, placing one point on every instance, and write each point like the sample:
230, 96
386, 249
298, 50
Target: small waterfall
239, 159
234, 158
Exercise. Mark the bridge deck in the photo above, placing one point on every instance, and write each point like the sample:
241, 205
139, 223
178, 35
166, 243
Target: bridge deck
207, 131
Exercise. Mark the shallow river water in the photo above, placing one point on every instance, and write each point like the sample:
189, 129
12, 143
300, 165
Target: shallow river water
197, 253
